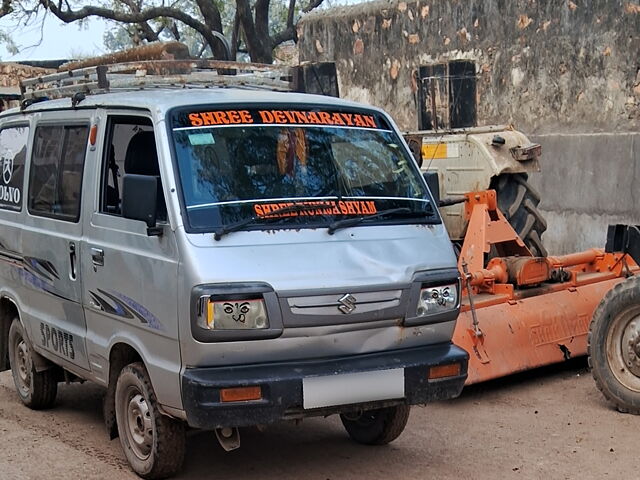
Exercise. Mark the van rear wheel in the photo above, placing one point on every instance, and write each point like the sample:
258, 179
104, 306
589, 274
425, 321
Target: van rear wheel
37, 390
376, 427
153, 443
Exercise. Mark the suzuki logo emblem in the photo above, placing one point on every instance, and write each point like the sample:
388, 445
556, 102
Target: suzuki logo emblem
7, 169
348, 302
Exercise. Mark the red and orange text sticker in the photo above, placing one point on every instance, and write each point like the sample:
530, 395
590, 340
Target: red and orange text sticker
357, 207
281, 117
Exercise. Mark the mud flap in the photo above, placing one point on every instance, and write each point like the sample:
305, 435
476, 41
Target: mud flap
5, 324
109, 411
4, 347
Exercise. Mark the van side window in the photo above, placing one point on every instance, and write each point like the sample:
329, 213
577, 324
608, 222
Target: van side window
57, 163
130, 148
13, 153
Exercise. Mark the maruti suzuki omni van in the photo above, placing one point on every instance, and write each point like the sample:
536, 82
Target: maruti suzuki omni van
221, 258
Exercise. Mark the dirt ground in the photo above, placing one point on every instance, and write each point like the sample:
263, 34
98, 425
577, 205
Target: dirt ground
551, 423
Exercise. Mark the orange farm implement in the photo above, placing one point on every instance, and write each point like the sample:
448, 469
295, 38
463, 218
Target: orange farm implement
519, 311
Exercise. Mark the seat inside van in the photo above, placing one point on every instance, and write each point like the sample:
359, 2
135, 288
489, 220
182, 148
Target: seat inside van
133, 151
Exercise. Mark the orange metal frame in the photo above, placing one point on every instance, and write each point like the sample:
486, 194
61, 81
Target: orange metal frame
529, 311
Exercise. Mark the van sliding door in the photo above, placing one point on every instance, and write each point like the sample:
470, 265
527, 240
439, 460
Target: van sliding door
51, 239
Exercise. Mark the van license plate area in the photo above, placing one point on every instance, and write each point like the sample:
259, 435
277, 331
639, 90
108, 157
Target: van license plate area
349, 388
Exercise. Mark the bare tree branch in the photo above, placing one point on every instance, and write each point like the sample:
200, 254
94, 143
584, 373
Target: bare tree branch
147, 14
290, 32
145, 29
235, 34
251, 24
6, 8
291, 13
285, 35
175, 32
262, 18
312, 4
260, 47
213, 21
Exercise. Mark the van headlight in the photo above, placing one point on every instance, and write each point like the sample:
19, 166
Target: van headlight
438, 299
232, 313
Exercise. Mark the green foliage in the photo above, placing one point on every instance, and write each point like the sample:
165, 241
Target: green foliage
9, 44
122, 36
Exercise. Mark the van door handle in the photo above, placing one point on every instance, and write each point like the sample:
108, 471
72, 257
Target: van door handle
72, 260
97, 256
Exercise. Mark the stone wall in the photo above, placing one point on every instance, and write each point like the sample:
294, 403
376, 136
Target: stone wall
12, 73
565, 72
10, 76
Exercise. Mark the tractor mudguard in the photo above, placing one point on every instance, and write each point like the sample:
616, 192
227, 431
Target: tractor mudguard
468, 159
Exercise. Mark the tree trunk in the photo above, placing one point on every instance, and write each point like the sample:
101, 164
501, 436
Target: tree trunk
259, 46
212, 19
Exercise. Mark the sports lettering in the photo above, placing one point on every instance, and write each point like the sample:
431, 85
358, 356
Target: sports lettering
57, 340
360, 207
281, 117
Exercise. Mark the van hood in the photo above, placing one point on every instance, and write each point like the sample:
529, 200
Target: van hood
311, 259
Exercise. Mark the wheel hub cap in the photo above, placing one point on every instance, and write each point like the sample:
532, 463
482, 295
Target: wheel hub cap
23, 362
140, 427
631, 347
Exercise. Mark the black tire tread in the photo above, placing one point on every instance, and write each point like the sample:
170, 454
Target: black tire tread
521, 191
45, 383
170, 446
532, 208
526, 230
518, 201
619, 297
44, 397
536, 241
394, 425
394, 421
523, 179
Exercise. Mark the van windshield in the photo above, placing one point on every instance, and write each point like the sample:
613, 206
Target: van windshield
239, 165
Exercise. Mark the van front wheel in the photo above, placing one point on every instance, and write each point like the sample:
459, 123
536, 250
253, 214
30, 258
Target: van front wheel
37, 390
153, 443
376, 427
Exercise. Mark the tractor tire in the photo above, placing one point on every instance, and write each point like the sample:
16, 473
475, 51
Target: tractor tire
518, 201
614, 346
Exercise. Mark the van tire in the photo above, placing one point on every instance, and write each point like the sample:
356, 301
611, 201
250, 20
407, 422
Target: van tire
37, 390
518, 201
154, 444
377, 427
613, 346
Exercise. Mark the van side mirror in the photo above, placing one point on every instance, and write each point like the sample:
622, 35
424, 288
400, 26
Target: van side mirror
433, 184
139, 200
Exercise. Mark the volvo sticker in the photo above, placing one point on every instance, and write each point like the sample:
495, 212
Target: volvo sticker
7, 169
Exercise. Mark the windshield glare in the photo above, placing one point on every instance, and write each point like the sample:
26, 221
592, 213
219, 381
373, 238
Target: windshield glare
232, 173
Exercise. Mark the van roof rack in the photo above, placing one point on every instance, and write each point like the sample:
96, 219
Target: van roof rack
157, 74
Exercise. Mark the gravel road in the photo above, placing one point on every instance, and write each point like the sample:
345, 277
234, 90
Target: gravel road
551, 423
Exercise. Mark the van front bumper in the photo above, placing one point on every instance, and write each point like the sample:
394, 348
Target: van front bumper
282, 385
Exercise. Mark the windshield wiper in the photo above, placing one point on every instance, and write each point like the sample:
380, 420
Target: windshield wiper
352, 222
296, 207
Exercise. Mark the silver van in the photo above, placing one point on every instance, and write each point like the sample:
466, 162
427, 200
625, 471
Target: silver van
221, 258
